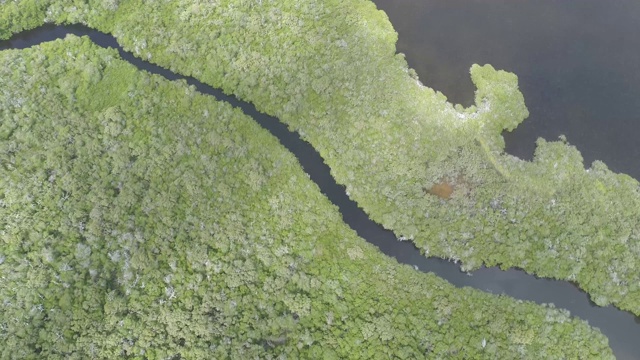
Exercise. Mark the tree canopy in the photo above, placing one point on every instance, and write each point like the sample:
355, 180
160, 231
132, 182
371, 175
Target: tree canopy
141, 219
328, 69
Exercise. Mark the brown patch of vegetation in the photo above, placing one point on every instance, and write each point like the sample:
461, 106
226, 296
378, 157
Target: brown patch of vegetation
442, 190
445, 187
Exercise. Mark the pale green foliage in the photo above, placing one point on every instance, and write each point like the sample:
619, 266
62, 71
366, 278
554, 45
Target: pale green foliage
500, 105
329, 69
16, 16
143, 220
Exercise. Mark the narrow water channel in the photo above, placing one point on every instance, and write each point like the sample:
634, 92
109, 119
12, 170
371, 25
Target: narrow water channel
622, 328
578, 66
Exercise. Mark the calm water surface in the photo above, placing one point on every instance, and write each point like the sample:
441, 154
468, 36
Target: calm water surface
578, 64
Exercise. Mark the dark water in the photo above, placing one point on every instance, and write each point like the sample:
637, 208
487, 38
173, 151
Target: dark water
621, 327
578, 64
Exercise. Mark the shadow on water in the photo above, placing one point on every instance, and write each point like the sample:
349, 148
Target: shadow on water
622, 328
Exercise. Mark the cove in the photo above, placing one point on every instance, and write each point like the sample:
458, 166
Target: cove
617, 325
575, 81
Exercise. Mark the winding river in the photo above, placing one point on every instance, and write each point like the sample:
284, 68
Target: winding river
622, 328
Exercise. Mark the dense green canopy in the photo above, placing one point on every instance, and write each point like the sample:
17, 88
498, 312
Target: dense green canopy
80, 222
141, 219
328, 68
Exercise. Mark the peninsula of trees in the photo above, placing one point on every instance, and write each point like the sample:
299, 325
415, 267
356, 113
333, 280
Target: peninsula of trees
142, 219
